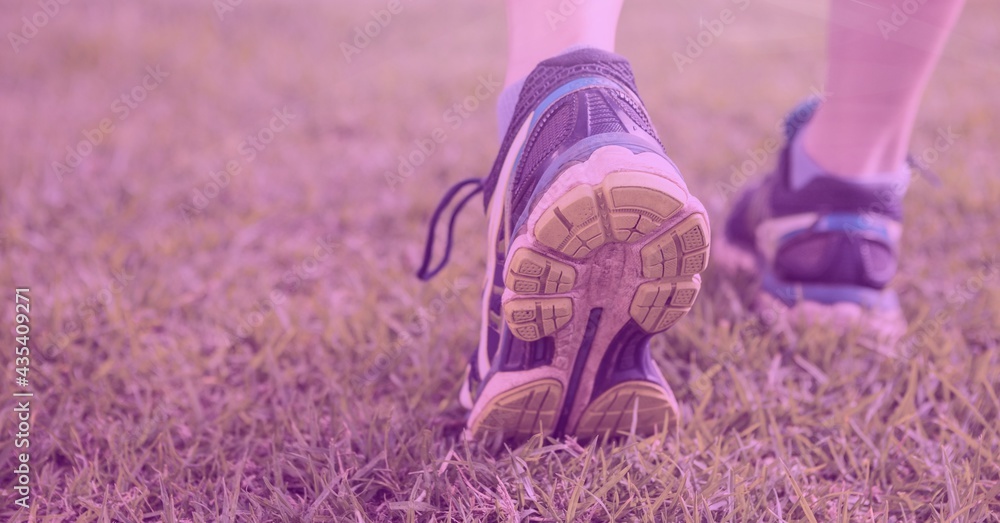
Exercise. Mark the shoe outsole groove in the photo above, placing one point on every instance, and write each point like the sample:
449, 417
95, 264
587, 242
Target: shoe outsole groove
657, 306
522, 410
582, 220
612, 412
681, 251
624, 207
531, 319
534, 273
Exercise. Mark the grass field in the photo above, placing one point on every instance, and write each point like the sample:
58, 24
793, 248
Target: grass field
261, 351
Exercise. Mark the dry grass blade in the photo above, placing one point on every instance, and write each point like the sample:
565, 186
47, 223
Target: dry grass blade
250, 344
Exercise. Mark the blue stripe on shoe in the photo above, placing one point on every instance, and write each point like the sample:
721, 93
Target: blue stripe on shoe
580, 151
792, 293
562, 91
870, 226
569, 87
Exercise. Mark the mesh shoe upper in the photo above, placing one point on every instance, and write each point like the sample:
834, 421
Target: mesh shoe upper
571, 118
829, 232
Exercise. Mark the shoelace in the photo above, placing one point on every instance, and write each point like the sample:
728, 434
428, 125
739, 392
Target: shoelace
425, 272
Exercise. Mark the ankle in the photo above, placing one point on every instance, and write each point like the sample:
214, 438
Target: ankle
539, 29
861, 165
507, 100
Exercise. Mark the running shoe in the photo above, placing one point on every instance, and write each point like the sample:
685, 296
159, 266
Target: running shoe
594, 244
825, 253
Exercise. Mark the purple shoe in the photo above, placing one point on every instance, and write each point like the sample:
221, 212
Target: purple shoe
594, 244
825, 253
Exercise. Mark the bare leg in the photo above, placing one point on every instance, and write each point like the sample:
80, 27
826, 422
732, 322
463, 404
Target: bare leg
537, 30
878, 65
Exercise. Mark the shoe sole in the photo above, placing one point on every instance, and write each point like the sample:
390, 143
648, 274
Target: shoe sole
621, 242
880, 331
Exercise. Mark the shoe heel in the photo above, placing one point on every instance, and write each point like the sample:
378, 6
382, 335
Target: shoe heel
521, 411
632, 405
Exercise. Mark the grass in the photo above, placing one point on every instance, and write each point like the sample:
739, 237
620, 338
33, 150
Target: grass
264, 353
